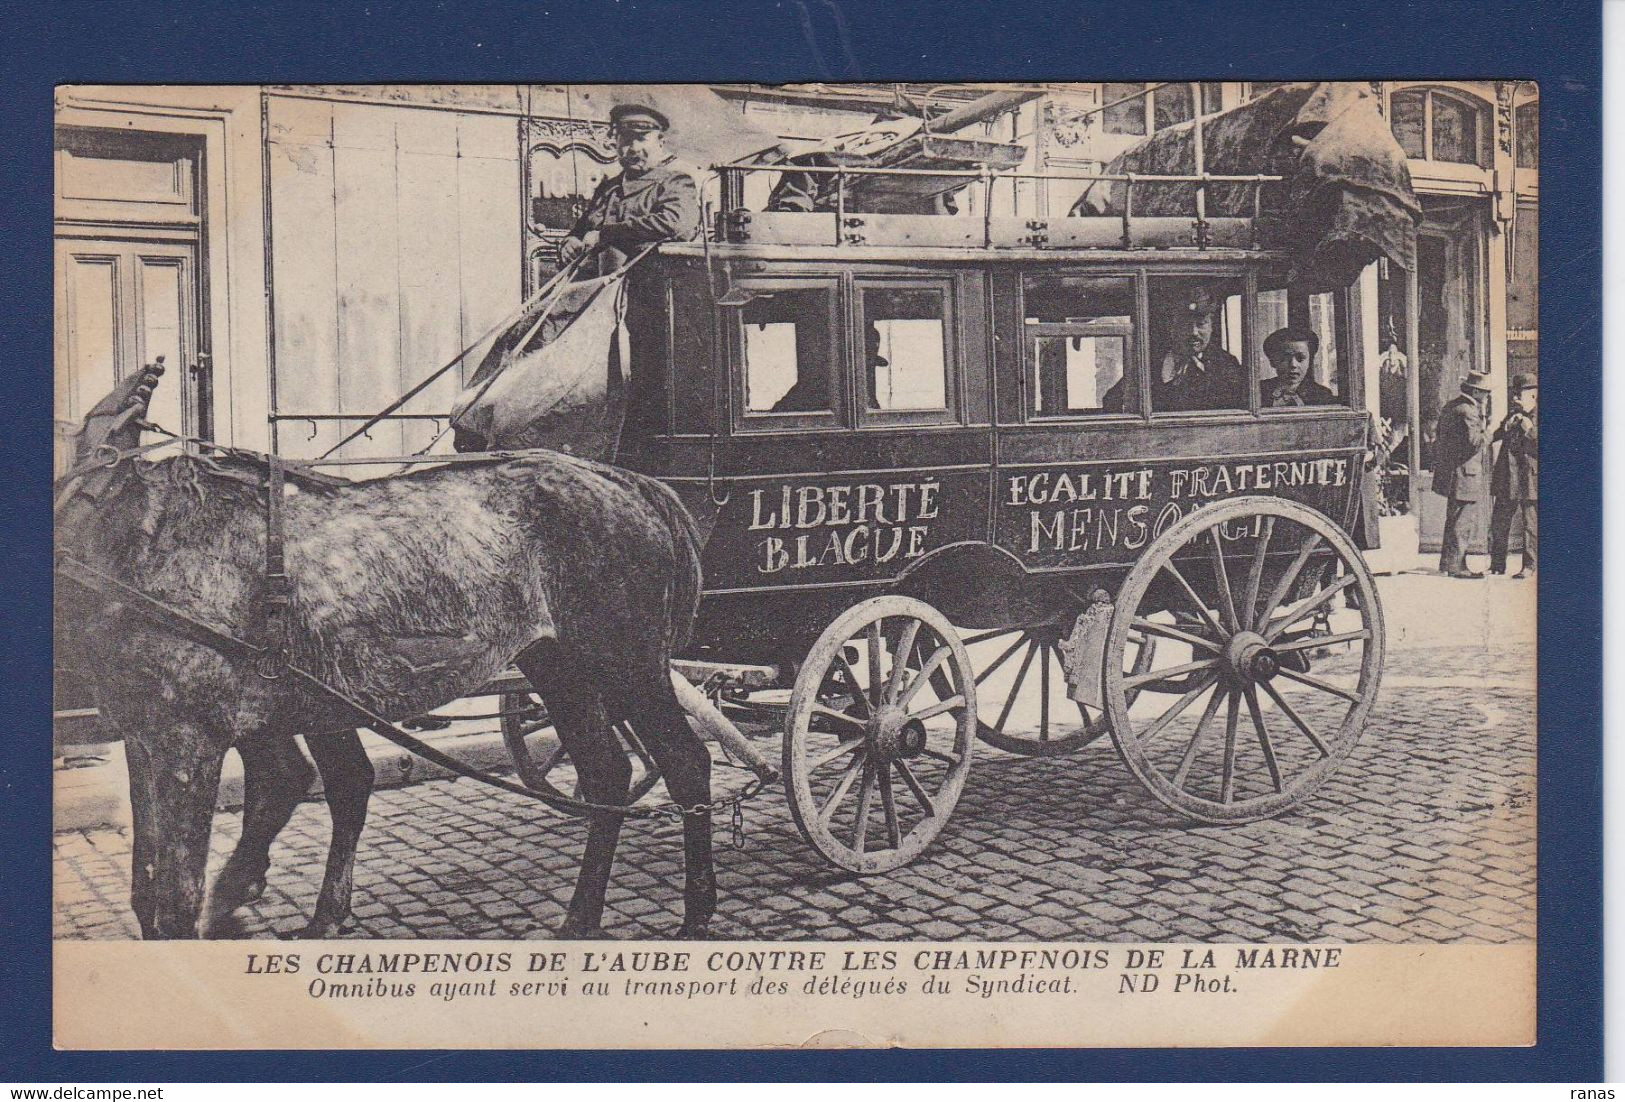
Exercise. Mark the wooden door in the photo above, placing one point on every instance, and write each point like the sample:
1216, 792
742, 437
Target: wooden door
129, 274
121, 304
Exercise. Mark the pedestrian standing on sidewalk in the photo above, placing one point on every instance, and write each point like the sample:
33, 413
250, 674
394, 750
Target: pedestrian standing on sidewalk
1515, 478
1458, 468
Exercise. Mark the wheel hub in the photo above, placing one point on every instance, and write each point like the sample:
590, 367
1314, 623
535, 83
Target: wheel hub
1250, 658
893, 735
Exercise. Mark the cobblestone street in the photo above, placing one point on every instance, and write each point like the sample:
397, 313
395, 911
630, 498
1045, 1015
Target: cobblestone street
1425, 835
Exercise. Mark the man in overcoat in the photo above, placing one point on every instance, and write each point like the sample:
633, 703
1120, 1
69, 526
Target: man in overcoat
1459, 468
1515, 478
652, 200
1194, 373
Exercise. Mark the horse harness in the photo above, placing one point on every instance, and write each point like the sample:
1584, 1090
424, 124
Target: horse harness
271, 658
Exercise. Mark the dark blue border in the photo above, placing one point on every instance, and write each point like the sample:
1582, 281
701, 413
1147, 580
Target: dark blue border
1557, 43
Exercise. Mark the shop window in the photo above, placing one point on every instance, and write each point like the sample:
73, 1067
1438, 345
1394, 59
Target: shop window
1434, 125
905, 361
788, 351
1300, 354
1196, 328
1079, 344
1528, 129
1125, 108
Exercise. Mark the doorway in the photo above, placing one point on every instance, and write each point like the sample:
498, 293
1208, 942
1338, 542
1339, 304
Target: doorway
131, 286
1451, 341
130, 276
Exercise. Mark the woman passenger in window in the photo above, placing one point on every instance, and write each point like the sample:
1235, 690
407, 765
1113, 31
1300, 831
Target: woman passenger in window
1294, 352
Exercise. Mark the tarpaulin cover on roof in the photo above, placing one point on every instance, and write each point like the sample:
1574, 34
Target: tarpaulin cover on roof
1346, 199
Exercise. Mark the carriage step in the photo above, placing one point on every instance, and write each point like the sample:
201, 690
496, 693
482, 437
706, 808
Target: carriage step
733, 674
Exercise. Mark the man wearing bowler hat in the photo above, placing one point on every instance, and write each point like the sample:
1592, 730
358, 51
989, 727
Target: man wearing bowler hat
652, 199
1515, 478
1458, 467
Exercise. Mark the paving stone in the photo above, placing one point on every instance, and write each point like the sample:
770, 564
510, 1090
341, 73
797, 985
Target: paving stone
1411, 841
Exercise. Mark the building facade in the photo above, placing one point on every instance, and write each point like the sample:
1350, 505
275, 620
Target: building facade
301, 256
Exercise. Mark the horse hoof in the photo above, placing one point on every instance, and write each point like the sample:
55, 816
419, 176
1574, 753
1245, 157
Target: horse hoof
229, 895
318, 930
571, 931
224, 927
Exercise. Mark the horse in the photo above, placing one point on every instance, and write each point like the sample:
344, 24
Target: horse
405, 592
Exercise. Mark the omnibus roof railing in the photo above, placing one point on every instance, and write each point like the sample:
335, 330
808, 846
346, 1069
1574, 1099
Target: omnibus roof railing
986, 176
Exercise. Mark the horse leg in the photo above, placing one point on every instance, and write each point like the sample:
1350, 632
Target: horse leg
347, 777
686, 765
275, 777
175, 777
604, 773
143, 837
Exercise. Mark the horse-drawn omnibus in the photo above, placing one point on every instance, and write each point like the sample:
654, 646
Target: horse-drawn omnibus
953, 492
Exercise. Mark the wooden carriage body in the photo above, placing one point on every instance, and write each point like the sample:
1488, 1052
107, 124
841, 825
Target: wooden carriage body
988, 497
966, 478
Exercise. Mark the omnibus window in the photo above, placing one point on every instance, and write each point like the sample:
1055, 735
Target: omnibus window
905, 349
1301, 362
1195, 334
787, 353
1079, 343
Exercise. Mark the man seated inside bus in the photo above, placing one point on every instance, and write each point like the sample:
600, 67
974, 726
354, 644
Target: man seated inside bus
1294, 353
811, 392
1193, 372
1189, 372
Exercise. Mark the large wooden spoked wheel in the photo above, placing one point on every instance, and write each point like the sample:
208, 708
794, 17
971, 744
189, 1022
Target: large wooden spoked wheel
878, 734
1024, 703
1295, 676
524, 716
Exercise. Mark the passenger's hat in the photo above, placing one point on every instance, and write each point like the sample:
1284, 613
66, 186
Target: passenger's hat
1197, 303
1478, 380
1275, 344
1524, 381
637, 118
